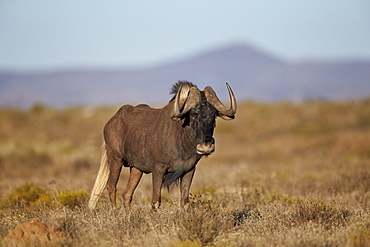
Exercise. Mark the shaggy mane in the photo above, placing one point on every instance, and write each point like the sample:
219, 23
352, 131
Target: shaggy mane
173, 178
178, 85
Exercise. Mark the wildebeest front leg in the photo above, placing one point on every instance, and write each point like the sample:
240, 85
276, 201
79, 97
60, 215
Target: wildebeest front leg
157, 180
133, 181
185, 187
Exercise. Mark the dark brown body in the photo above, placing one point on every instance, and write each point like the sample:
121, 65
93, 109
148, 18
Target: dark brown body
147, 140
166, 142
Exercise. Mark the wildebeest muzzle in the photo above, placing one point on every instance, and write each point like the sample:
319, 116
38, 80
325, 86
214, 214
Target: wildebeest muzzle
206, 147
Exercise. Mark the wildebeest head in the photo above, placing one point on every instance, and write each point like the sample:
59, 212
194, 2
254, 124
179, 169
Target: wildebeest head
199, 110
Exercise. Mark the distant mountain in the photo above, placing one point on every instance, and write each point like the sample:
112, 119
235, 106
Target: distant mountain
252, 73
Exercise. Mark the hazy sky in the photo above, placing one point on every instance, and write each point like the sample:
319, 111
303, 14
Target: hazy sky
46, 34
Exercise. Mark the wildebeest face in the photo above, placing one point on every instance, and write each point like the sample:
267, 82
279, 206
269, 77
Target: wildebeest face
200, 109
202, 120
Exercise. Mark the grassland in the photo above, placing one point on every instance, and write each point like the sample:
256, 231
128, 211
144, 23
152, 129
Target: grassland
283, 174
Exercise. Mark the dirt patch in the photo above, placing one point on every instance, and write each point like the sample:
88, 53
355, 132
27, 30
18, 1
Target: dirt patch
34, 231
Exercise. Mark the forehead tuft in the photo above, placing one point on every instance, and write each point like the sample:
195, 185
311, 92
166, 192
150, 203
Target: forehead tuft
205, 107
185, 88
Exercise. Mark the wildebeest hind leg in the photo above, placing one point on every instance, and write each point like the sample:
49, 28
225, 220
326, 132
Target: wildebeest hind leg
133, 181
115, 167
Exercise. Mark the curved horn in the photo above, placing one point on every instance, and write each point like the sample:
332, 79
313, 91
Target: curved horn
176, 109
224, 113
192, 98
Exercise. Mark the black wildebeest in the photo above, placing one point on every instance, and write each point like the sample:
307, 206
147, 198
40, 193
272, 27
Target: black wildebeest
166, 142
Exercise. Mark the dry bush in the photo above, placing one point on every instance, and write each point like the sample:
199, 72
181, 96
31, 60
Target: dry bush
320, 212
203, 221
24, 196
72, 199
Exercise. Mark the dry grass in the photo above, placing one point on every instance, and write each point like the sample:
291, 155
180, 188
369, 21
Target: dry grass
282, 175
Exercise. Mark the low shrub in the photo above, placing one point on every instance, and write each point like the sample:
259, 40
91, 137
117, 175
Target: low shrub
319, 211
203, 222
31, 195
26, 195
72, 199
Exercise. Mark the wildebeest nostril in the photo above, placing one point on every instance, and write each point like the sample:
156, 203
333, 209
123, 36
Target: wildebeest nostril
210, 139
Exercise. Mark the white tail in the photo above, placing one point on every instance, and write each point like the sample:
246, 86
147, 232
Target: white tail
101, 180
